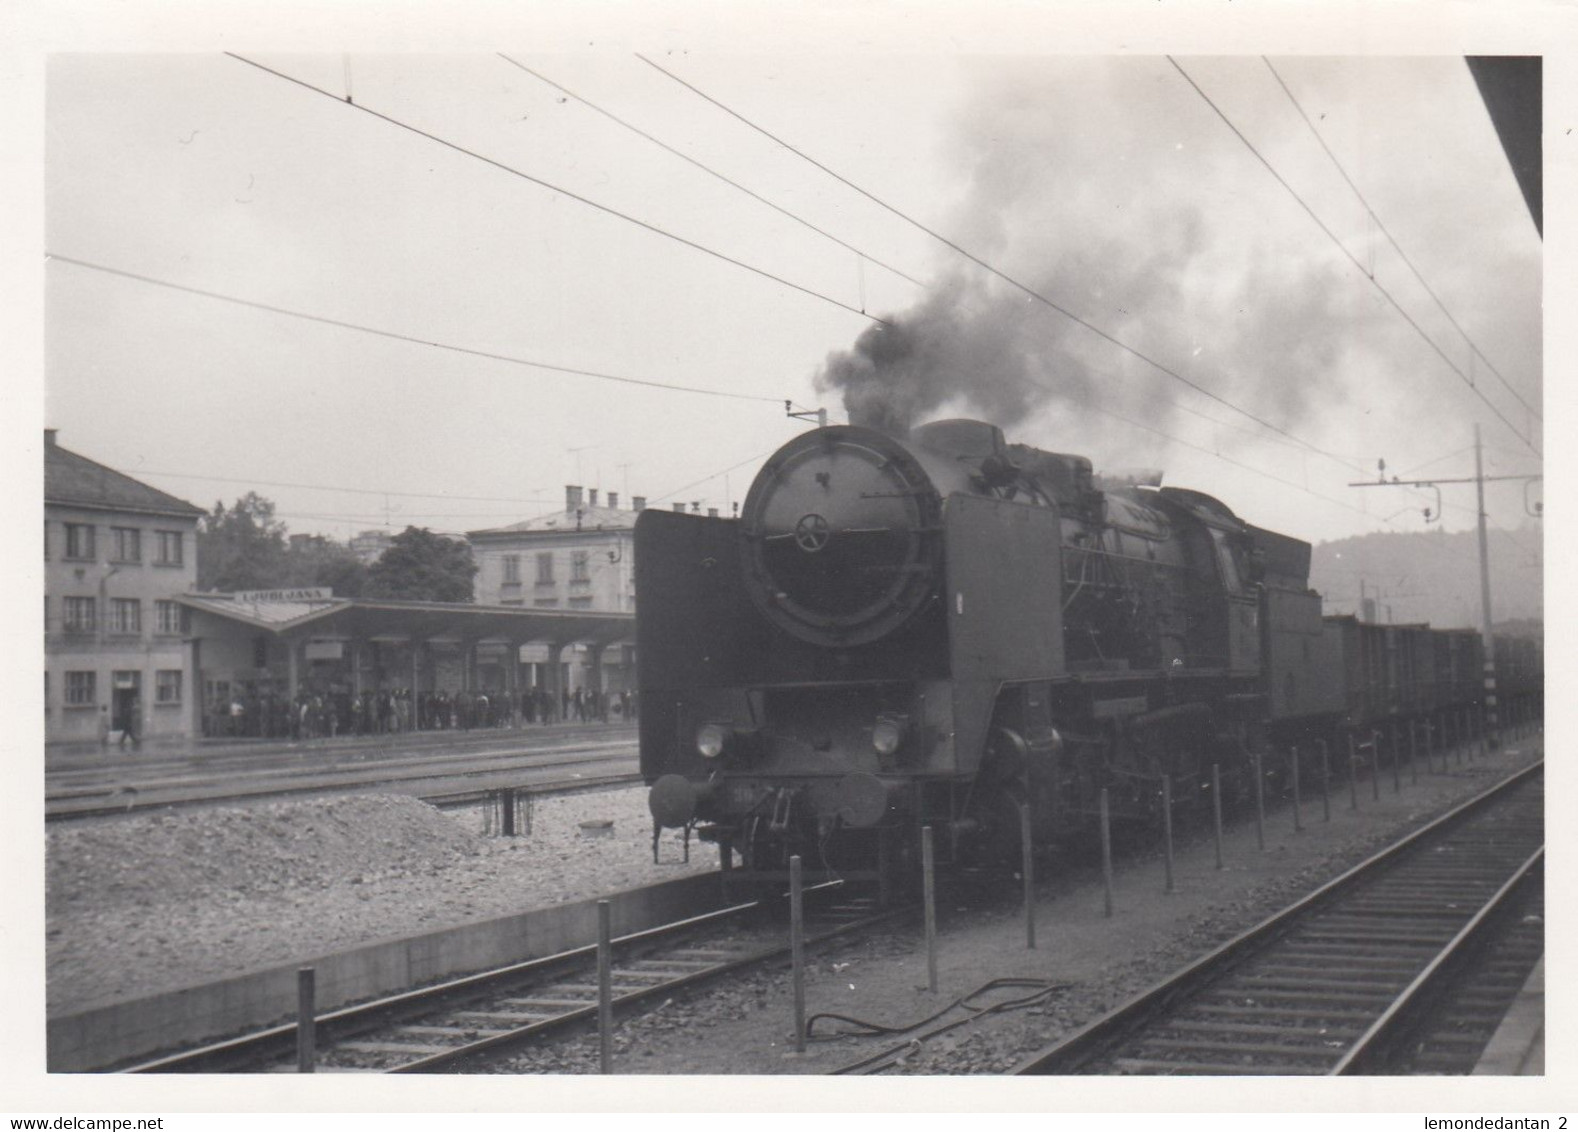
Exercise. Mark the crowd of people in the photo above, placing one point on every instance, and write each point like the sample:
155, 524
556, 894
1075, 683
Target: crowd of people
318, 713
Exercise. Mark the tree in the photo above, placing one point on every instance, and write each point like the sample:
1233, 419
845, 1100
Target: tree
316, 560
242, 548
422, 566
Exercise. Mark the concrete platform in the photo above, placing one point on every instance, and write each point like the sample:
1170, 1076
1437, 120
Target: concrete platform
109, 1033
1517, 1048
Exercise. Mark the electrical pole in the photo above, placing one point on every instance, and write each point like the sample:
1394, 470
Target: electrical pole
1479, 480
1492, 727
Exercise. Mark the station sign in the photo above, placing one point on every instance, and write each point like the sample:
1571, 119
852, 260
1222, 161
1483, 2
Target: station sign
302, 593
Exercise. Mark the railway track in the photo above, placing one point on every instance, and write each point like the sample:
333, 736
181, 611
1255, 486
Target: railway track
1402, 964
462, 1024
432, 781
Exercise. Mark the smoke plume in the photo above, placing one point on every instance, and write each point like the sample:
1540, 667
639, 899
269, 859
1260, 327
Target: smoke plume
1102, 185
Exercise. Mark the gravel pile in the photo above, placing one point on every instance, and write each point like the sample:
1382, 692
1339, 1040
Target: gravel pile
148, 903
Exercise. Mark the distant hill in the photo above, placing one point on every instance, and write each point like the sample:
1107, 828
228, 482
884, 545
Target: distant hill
1434, 576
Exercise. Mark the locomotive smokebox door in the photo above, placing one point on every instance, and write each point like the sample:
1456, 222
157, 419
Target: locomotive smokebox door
1005, 606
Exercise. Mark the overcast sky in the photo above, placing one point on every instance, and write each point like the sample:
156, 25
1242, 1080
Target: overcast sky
1109, 185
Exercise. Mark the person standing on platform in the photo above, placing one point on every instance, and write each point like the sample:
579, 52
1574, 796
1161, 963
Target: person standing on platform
133, 709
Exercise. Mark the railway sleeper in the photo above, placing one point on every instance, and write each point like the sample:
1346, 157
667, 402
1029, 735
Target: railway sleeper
1321, 949
514, 1019
1354, 939
385, 1049
557, 1005
1299, 960
1314, 1055
1302, 975
671, 966
1444, 911
448, 1031
1300, 982
1285, 998
1147, 1067
1300, 1027
1304, 1017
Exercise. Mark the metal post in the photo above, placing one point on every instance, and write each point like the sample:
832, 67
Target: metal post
1353, 773
797, 950
1325, 780
507, 820
1216, 808
1106, 850
1413, 751
1029, 867
1260, 804
1375, 765
1167, 825
1397, 755
1298, 799
928, 878
1484, 597
306, 1021
605, 988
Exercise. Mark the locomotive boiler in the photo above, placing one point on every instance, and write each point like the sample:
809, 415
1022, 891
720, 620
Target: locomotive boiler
939, 628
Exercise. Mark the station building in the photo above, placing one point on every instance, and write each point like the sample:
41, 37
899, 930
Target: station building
579, 559
263, 649
118, 555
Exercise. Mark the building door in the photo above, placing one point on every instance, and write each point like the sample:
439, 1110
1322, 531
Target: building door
127, 701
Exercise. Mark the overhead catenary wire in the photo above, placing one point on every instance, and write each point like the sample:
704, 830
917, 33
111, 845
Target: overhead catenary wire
1236, 463
577, 197
1472, 345
1321, 224
335, 488
711, 171
343, 324
985, 265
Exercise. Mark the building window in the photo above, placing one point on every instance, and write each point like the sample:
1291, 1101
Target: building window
545, 569
546, 603
78, 614
80, 690
169, 551
125, 615
79, 541
170, 616
167, 686
583, 602
125, 544
512, 569
578, 566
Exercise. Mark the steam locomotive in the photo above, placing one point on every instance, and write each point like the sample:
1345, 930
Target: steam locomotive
939, 628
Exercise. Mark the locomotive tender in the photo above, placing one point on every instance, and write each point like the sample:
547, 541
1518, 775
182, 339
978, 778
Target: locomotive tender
937, 628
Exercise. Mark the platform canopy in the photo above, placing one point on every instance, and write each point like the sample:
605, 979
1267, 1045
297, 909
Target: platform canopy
298, 614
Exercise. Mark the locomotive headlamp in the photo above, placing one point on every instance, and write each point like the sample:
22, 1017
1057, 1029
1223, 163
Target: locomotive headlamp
710, 738
889, 733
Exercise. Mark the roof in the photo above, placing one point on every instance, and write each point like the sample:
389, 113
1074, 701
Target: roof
264, 614
76, 481
367, 618
561, 522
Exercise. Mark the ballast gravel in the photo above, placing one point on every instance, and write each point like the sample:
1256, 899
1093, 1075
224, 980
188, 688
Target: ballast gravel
148, 903
744, 1026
